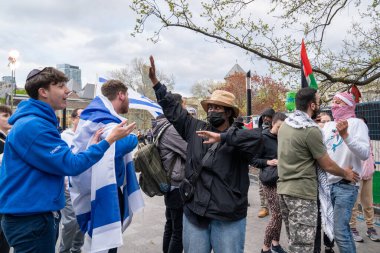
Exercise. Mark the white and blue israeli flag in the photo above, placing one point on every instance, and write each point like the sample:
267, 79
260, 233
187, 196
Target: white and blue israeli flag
94, 193
136, 100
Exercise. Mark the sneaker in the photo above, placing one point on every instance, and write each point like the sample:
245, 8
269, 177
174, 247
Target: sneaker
329, 250
372, 234
277, 249
356, 236
263, 212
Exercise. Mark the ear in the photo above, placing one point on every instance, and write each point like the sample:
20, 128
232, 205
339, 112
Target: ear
42, 92
121, 96
313, 105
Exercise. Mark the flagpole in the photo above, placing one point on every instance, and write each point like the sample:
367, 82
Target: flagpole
96, 84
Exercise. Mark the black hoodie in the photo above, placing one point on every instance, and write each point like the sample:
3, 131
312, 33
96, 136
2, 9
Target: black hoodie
269, 150
267, 112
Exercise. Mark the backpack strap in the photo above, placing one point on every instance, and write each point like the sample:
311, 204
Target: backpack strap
155, 142
197, 172
168, 124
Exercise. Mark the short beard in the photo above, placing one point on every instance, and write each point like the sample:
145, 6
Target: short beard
315, 113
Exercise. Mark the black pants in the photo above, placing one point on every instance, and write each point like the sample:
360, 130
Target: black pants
4, 247
172, 242
121, 205
318, 238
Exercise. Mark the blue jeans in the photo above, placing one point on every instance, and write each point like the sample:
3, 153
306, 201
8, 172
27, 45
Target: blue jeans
32, 233
221, 236
343, 197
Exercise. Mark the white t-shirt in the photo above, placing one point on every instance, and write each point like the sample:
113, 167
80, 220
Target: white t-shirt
68, 137
349, 152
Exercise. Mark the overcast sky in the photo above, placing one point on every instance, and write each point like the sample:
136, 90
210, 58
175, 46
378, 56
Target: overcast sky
95, 35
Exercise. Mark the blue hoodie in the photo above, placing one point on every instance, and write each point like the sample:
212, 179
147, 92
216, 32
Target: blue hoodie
36, 160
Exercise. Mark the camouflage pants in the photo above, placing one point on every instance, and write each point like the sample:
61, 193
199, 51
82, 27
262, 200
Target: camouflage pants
300, 218
263, 198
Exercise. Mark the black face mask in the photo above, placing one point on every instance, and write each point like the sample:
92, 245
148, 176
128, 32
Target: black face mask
266, 125
216, 119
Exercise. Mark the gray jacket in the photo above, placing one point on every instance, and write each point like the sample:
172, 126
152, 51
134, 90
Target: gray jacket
172, 149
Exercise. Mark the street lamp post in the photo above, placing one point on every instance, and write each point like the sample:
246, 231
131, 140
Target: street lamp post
13, 64
248, 83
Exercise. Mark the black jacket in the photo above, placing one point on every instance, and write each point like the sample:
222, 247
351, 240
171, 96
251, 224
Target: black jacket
221, 189
268, 152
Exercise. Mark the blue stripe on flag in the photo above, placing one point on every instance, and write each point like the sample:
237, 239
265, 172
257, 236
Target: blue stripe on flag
132, 184
140, 102
126, 204
83, 221
97, 112
104, 208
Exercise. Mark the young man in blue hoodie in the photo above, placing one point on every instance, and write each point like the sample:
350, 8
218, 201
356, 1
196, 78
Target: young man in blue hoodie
36, 160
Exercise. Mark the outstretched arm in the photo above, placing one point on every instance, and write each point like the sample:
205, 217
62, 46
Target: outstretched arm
184, 123
245, 140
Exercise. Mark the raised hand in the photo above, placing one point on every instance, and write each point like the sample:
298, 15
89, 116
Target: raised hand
120, 131
342, 126
210, 137
152, 71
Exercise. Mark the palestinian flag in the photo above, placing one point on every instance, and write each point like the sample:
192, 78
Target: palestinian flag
307, 76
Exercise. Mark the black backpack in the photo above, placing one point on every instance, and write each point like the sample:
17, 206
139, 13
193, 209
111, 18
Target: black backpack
153, 180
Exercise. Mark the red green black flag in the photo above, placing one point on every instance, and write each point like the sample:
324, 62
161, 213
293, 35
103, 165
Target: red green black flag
307, 76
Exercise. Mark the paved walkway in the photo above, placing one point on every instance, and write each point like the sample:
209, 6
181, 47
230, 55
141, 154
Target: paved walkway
145, 233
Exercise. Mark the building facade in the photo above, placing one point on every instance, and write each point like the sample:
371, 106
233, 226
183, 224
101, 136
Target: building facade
72, 72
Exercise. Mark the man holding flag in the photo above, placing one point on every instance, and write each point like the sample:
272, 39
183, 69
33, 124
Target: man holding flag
106, 196
36, 160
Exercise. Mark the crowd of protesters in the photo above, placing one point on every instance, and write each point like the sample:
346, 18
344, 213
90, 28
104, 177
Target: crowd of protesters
314, 169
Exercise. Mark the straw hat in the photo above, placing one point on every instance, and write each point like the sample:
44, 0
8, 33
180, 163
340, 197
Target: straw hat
223, 98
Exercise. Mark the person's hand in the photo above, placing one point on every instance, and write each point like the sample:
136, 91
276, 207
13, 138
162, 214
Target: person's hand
96, 138
120, 131
351, 175
152, 71
210, 137
272, 162
342, 126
